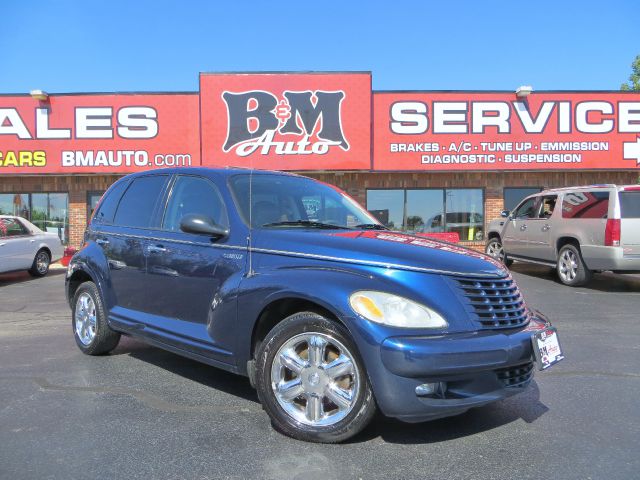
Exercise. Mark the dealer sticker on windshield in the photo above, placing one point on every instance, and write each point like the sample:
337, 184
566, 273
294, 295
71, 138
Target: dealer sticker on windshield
546, 348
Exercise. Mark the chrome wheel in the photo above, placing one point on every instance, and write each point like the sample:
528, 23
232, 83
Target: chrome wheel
85, 318
315, 379
494, 249
568, 265
42, 262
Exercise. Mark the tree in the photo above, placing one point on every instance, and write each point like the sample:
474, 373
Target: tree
414, 222
634, 78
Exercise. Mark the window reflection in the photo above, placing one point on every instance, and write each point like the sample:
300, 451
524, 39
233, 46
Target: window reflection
512, 196
387, 206
92, 202
465, 213
425, 211
47, 211
430, 210
14, 204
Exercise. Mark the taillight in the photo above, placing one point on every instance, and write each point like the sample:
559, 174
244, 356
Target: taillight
612, 233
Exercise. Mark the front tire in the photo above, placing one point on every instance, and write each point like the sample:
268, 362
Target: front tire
495, 249
571, 269
311, 380
89, 322
40, 265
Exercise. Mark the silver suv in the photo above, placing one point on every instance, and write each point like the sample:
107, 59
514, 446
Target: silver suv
577, 230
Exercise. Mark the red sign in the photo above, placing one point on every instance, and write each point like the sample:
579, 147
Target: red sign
98, 133
318, 121
498, 131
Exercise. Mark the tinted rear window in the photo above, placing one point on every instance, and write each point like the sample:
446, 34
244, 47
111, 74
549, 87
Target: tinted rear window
109, 203
585, 205
137, 204
630, 204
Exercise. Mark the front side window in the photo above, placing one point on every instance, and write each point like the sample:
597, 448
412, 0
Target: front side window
283, 201
137, 204
194, 195
585, 204
526, 209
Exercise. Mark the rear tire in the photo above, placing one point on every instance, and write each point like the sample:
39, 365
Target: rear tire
571, 269
89, 322
40, 265
304, 365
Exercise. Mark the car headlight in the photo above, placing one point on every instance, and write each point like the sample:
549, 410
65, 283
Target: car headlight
395, 311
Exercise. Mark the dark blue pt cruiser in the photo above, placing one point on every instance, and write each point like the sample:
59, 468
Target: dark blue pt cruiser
290, 282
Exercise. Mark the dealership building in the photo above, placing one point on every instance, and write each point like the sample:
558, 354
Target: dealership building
420, 161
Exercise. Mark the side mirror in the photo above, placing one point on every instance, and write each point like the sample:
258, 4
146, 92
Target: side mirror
201, 224
504, 213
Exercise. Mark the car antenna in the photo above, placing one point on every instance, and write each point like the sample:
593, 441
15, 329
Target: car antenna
250, 272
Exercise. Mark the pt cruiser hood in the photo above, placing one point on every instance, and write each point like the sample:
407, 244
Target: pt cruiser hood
378, 248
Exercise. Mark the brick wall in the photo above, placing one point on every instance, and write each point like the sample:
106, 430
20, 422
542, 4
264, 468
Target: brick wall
356, 184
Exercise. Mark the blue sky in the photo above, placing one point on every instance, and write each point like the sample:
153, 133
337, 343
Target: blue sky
115, 45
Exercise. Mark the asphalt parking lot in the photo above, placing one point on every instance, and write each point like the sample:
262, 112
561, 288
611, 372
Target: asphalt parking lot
141, 412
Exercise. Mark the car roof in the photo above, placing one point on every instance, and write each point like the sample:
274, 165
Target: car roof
602, 186
224, 172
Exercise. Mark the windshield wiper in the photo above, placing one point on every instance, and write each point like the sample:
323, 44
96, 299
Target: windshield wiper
305, 223
371, 226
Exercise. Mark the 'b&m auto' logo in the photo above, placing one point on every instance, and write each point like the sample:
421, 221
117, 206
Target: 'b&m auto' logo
299, 123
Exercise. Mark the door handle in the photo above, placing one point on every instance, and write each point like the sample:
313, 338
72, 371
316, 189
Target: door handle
546, 228
102, 241
523, 227
156, 249
2, 244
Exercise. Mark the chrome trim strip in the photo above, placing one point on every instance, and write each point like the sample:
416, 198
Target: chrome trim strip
170, 240
314, 256
527, 260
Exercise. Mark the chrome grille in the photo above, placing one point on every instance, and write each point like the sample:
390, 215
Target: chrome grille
494, 302
516, 377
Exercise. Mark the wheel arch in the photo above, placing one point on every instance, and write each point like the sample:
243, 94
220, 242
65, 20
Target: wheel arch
78, 277
45, 247
280, 308
566, 240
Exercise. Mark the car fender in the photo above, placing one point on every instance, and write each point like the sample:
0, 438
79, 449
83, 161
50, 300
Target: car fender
92, 261
321, 285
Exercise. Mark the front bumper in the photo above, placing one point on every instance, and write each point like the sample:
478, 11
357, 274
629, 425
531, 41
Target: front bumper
472, 369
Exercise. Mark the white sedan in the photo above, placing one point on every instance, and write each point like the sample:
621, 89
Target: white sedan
23, 246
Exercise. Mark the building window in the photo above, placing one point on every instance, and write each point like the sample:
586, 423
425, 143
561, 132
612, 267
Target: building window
430, 211
47, 211
512, 196
387, 206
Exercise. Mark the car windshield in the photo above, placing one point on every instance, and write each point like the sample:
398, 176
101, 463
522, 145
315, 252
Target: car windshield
286, 201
